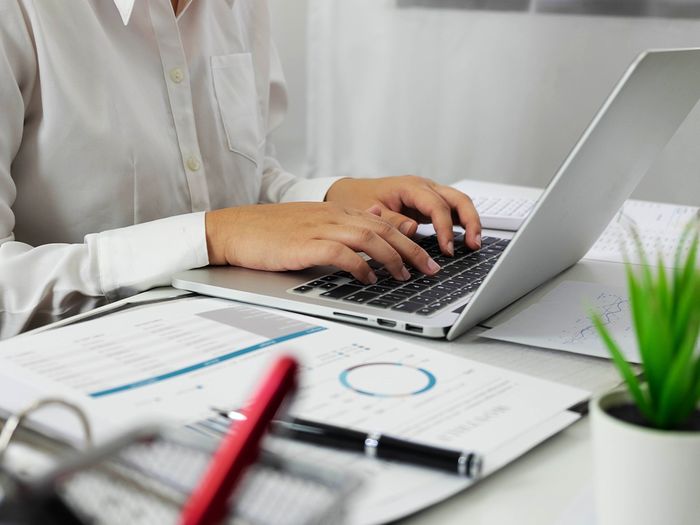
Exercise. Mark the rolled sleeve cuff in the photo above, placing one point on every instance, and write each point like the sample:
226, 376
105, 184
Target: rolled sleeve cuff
144, 256
309, 190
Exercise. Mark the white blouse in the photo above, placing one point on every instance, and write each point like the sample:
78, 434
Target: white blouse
120, 124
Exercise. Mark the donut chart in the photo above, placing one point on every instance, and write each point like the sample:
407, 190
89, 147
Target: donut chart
387, 379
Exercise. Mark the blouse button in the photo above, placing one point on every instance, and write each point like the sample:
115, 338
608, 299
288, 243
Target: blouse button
176, 75
193, 164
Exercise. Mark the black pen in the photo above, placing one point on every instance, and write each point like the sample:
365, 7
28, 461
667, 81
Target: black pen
376, 445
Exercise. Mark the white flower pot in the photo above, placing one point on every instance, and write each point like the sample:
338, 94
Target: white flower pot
643, 476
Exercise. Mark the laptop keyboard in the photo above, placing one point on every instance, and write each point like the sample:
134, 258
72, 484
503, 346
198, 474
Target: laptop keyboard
458, 279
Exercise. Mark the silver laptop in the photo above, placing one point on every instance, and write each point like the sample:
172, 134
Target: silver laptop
635, 123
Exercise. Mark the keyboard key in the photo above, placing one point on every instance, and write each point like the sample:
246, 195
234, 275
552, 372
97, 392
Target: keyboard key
423, 300
461, 250
379, 303
330, 278
438, 305
435, 294
425, 311
316, 283
450, 270
328, 286
408, 307
345, 275
415, 274
428, 280
393, 298
403, 292
391, 283
428, 242
415, 287
382, 274
378, 289
375, 265
303, 289
452, 285
361, 297
341, 291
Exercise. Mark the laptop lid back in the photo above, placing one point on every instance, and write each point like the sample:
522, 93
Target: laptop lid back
644, 111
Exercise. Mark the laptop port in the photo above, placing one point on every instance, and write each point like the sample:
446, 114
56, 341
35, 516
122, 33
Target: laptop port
357, 317
386, 322
415, 329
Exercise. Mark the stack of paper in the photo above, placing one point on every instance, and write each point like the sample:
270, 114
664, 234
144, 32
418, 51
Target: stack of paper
176, 360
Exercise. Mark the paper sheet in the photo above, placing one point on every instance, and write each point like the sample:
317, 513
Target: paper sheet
560, 321
660, 227
178, 359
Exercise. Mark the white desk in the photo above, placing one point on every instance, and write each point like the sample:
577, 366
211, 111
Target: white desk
540, 487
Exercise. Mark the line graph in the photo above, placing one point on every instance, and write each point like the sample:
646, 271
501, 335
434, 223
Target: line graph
614, 311
561, 320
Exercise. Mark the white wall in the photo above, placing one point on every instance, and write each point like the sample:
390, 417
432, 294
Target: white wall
453, 93
289, 23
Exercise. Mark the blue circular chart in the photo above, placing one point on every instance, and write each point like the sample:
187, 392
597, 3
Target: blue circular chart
387, 379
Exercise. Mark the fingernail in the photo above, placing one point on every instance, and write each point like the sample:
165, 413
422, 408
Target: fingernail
372, 278
478, 240
405, 227
405, 274
450, 248
433, 266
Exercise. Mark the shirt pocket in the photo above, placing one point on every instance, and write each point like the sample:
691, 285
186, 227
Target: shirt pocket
237, 98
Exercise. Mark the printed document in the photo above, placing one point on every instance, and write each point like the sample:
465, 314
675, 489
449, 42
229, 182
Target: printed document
561, 321
660, 227
175, 361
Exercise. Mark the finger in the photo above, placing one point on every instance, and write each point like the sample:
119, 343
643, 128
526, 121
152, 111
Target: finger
468, 216
376, 209
433, 205
331, 253
362, 237
408, 250
404, 224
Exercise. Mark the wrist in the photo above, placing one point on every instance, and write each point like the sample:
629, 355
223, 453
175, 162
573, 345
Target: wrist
338, 189
214, 231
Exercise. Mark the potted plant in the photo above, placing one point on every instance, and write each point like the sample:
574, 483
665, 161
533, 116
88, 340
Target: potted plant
646, 437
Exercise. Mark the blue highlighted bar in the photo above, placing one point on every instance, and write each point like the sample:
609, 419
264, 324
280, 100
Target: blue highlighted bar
205, 364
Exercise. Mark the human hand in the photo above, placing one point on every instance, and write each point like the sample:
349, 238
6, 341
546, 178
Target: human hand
407, 201
298, 235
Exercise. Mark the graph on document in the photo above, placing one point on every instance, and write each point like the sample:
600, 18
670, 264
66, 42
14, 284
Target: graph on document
614, 311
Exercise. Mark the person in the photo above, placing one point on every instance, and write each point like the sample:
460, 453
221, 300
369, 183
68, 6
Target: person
134, 144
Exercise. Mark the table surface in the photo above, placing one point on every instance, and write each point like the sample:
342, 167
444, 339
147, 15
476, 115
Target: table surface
541, 487
550, 484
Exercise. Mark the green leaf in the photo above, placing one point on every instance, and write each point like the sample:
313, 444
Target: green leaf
623, 367
647, 277
679, 387
664, 289
665, 309
655, 363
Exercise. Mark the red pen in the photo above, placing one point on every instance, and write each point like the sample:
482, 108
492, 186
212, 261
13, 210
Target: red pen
239, 449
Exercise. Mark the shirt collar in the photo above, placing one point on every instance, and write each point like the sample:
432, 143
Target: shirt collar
125, 7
